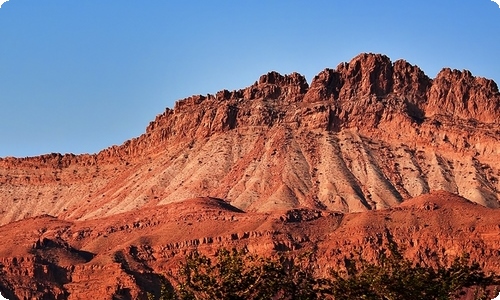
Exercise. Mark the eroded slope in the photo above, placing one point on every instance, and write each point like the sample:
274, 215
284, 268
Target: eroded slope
366, 135
127, 255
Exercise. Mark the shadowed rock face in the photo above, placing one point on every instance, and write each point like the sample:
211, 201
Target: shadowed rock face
366, 135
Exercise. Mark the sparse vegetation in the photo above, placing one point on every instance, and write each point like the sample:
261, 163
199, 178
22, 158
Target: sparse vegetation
237, 274
395, 277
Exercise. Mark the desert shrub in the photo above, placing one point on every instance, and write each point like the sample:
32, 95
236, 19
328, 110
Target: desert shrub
237, 274
394, 277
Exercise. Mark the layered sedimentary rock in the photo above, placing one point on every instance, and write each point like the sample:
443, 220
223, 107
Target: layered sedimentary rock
366, 135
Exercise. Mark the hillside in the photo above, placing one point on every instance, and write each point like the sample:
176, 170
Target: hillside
126, 255
366, 135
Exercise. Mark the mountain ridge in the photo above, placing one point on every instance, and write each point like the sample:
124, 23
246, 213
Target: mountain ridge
327, 85
387, 129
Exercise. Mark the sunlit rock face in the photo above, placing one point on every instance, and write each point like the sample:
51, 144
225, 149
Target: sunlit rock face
127, 255
365, 135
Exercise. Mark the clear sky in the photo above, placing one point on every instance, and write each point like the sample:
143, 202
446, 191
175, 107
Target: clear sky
79, 76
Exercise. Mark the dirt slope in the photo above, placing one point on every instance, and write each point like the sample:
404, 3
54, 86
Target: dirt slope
125, 255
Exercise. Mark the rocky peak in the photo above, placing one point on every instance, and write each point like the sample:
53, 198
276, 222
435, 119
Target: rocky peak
453, 93
459, 94
410, 81
366, 74
273, 85
324, 87
371, 89
377, 85
362, 93
369, 75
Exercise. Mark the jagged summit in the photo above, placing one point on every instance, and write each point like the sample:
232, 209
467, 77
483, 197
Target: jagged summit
374, 75
368, 76
365, 135
370, 84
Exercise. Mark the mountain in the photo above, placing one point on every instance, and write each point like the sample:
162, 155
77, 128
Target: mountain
366, 135
368, 150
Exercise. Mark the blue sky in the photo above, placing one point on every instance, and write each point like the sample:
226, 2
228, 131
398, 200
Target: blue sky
79, 76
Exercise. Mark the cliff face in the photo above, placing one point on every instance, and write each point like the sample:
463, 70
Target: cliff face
461, 95
366, 135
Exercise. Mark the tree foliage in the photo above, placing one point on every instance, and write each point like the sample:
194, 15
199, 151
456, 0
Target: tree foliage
397, 278
237, 274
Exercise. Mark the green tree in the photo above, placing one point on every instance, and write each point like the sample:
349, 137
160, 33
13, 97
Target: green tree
395, 277
237, 274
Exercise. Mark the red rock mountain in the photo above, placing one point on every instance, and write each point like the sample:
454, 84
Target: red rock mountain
368, 136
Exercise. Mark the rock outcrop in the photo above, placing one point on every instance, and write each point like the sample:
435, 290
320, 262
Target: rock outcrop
460, 95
